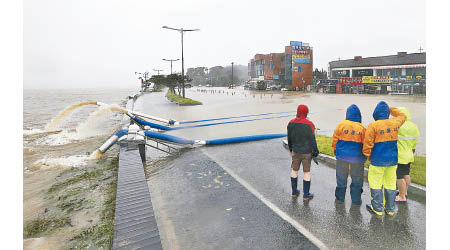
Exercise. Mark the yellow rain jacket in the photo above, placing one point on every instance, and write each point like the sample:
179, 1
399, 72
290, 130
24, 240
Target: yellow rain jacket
408, 137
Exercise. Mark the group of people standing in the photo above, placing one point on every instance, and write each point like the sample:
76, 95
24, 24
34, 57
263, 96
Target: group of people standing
387, 143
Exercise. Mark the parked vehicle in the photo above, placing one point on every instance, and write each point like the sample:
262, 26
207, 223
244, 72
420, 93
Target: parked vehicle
261, 85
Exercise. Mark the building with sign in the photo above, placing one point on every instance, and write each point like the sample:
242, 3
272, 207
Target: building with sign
291, 69
395, 73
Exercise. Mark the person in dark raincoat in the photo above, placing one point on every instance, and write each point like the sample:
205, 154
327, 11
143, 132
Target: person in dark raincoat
303, 146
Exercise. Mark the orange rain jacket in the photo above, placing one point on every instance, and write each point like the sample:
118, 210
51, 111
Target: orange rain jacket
380, 141
348, 137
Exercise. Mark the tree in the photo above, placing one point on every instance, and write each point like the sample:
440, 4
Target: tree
319, 75
170, 81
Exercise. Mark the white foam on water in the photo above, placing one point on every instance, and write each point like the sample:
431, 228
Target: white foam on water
96, 124
55, 139
70, 161
33, 131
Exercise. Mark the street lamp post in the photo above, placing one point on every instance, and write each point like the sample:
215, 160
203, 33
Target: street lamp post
143, 78
181, 30
157, 70
170, 60
232, 85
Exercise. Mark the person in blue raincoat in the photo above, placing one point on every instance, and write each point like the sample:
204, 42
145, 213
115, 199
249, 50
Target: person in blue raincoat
380, 145
347, 143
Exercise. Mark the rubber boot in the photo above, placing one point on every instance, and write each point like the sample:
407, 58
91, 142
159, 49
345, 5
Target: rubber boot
295, 191
390, 201
340, 193
355, 193
306, 194
376, 203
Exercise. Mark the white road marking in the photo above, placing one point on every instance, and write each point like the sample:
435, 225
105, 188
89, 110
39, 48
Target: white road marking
274, 208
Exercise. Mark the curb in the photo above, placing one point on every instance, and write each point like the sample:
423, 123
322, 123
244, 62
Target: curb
331, 162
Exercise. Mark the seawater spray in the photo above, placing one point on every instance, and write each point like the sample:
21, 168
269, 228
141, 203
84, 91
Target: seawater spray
51, 126
87, 128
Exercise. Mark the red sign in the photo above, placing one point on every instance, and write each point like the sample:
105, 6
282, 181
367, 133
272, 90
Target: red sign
350, 81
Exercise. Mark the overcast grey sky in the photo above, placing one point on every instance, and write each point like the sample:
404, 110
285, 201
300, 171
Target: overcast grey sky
101, 43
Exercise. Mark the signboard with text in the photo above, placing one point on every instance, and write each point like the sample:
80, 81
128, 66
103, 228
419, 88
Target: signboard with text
340, 73
362, 72
328, 81
295, 43
350, 81
376, 79
300, 58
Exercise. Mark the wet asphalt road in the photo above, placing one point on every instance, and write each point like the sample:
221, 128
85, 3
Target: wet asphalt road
198, 205
192, 215
191, 206
265, 165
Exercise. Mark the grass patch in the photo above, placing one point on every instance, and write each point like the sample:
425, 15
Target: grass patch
44, 224
102, 234
70, 193
71, 205
418, 170
87, 175
418, 167
324, 144
180, 100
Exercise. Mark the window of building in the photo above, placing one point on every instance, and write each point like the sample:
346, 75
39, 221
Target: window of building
416, 71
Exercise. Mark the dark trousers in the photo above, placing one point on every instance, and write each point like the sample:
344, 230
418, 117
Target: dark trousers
357, 174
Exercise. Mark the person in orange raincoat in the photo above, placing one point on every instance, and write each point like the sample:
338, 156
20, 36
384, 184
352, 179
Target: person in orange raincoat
380, 146
347, 144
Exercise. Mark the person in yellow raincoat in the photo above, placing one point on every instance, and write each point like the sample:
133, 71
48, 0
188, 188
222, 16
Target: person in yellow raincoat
408, 136
380, 146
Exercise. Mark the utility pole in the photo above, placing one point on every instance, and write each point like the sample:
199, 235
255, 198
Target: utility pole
420, 49
181, 30
171, 60
157, 70
232, 85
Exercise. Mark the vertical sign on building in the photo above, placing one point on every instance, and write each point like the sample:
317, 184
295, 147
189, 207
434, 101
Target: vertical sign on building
300, 54
288, 69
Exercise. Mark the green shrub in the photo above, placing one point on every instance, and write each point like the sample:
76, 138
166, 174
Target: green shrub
180, 100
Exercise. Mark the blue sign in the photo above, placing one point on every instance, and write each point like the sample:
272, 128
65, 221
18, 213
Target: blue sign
275, 77
296, 43
299, 69
302, 60
271, 65
207, 78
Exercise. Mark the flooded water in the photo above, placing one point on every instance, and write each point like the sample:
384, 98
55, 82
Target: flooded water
263, 168
326, 111
66, 143
50, 148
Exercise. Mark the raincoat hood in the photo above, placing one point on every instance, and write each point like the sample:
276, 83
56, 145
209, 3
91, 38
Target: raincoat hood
406, 112
381, 111
353, 114
302, 111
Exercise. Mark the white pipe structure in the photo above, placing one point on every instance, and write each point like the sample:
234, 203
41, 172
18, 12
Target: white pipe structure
131, 113
110, 142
